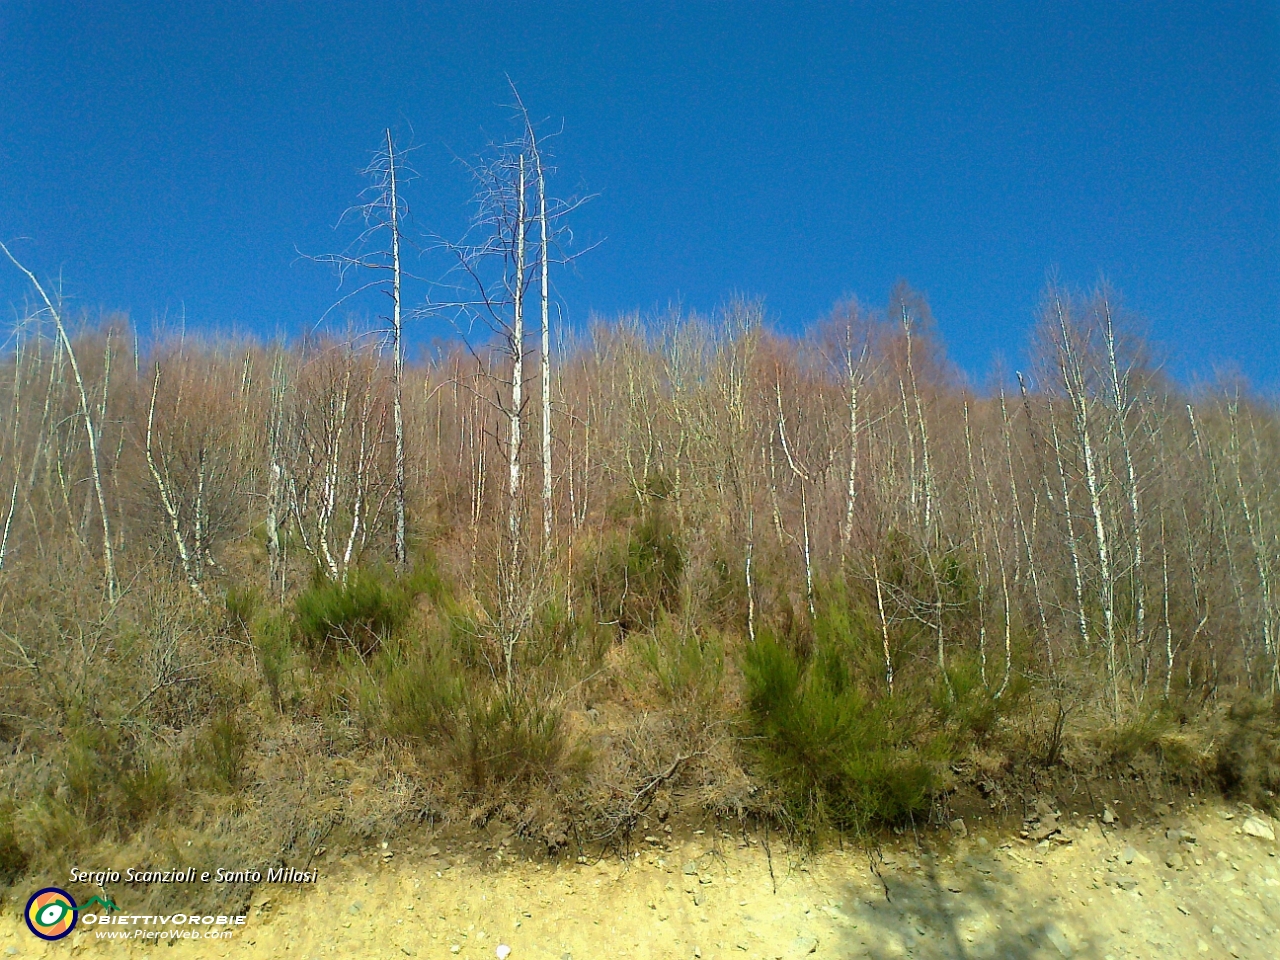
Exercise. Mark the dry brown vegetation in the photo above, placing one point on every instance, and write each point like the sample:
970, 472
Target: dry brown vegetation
817, 580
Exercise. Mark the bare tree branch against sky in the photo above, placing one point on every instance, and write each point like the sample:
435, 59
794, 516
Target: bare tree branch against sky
171, 158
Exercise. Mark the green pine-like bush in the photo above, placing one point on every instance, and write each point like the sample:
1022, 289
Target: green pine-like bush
416, 697
272, 639
220, 752
510, 740
686, 667
637, 572
359, 612
837, 757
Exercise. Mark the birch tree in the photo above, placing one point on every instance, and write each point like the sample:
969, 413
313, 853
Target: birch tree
378, 247
90, 429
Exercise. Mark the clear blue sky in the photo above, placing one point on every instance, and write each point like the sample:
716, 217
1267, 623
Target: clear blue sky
170, 156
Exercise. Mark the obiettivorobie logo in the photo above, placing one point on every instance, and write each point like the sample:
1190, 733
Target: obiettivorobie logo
52, 912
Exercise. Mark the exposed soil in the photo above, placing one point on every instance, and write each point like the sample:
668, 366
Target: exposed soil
1186, 882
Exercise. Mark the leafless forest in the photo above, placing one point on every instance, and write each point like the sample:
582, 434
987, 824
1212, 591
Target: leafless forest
261, 593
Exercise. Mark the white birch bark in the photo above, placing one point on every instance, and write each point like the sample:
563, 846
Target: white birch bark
397, 336
91, 436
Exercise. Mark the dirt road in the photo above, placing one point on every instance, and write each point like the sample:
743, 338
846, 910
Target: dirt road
1194, 883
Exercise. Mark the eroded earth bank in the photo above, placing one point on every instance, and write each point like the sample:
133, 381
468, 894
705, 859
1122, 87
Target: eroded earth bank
1200, 881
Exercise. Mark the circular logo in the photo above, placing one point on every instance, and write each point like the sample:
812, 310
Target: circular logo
51, 913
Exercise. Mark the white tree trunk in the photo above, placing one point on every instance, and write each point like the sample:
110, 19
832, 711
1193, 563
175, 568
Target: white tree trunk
108, 552
397, 335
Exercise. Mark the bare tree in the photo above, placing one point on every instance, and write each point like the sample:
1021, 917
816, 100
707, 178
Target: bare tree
91, 432
1071, 366
382, 214
191, 567
336, 478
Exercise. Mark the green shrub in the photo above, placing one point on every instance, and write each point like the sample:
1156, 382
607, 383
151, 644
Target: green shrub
1187, 755
86, 771
687, 667
493, 740
361, 611
968, 706
145, 788
220, 751
417, 698
837, 757
847, 624
1135, 735
106, 778
637, 573
357, 613
511, 740
273, 644
557, 636
722, 590
242, 605
55, 827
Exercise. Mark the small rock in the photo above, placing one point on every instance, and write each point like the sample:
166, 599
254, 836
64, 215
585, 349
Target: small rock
1174, 861
1059, 940
1259, 828
982, 843
691, 868
1108, 816
356, 907
454, 948
11, 951
802, 946
1125, 883
1129, 855
959, 829
503, 951
1046, 828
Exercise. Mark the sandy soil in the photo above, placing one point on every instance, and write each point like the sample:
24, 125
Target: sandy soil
1090, 890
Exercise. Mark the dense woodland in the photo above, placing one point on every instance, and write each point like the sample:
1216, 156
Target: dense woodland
568, 579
